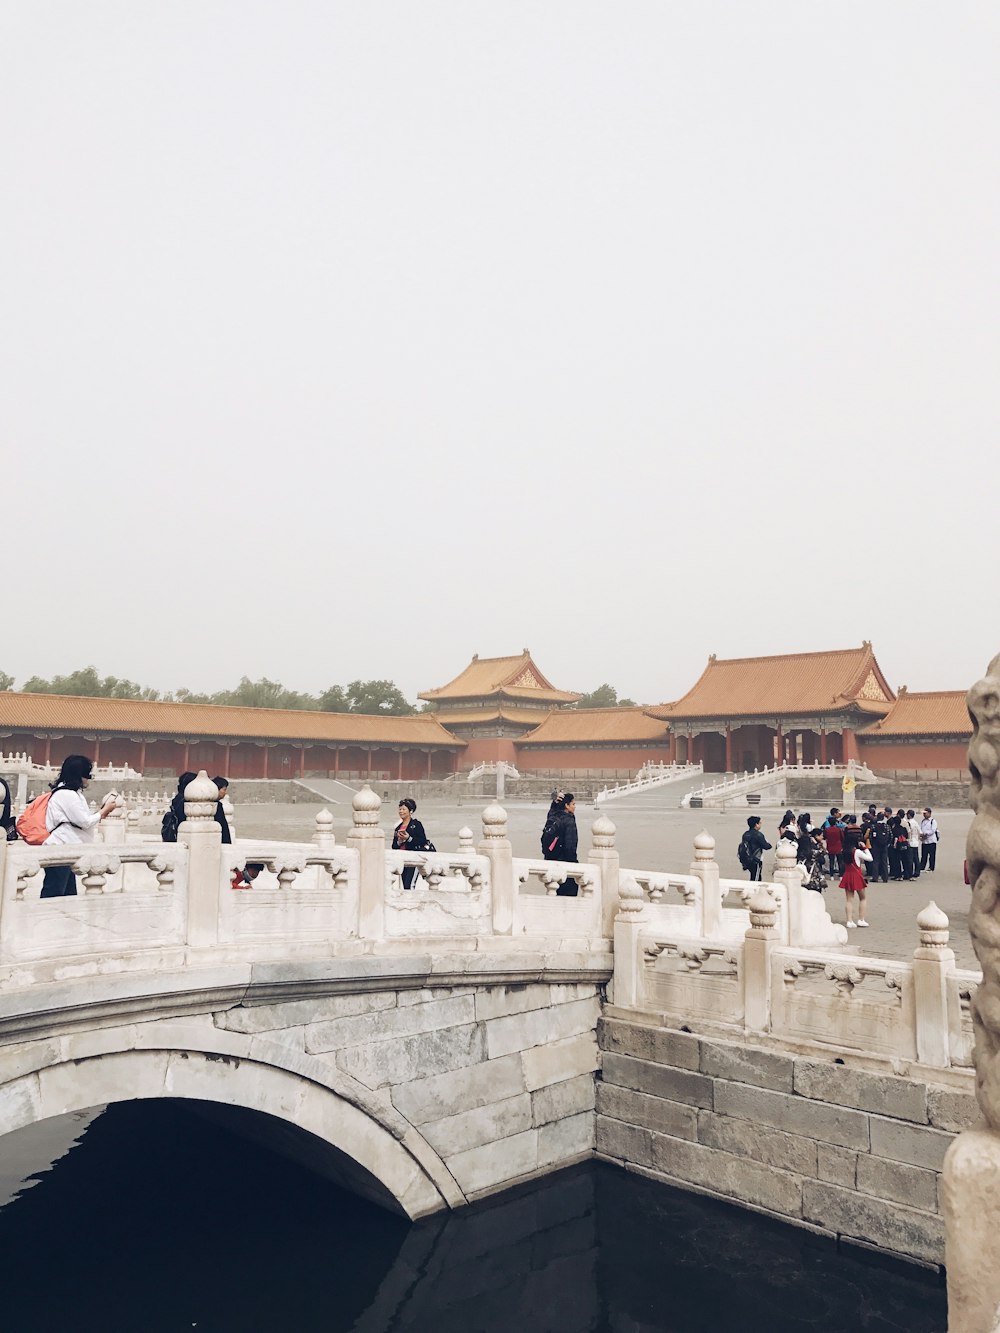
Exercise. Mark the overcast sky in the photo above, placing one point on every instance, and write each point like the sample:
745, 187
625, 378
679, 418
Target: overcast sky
347, 340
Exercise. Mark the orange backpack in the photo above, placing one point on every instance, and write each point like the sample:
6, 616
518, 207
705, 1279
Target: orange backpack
31, 824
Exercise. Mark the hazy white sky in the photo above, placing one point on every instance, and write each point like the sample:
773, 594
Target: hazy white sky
347, 340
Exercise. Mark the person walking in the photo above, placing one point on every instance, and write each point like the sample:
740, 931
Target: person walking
566, 846
833, 832
409, 836
753, 846
550, 829
929, 839
220, 814
913, 842
853, 882
69, 819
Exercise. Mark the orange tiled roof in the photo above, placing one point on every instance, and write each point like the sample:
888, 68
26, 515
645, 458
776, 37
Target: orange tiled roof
595, 726
940, 713
48, 712
794, 684
457, 717
486, 676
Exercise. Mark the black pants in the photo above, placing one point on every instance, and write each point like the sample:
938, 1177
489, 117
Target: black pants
756, 871
895, 863
928, 855
570, 889
409, 874
913, 854
836, 860
880, 863
59, 882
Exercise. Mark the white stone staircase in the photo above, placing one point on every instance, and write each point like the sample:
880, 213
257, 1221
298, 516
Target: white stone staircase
760, 780
648, 777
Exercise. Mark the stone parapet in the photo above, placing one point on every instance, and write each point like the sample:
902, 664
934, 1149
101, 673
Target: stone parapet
855, 1152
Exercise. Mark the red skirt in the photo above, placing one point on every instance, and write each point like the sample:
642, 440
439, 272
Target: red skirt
853, 879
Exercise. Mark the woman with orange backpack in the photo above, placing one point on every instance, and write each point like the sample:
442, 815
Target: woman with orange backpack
68, 819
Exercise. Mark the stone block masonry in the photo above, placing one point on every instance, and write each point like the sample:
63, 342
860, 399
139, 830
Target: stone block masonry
498, 1080
854, 1153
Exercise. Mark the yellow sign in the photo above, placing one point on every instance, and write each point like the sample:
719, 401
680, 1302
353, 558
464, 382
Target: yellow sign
848, 785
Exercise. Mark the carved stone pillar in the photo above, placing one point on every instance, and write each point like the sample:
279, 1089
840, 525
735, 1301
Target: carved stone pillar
203, 838
971, 1181
603, 853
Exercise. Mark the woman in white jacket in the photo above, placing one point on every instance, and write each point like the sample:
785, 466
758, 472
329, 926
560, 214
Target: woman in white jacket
68, 819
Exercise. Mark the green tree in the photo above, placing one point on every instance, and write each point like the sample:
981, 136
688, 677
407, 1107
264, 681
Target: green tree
334, 700
263, 693
605, 696
88, 684
6, 682
378, 696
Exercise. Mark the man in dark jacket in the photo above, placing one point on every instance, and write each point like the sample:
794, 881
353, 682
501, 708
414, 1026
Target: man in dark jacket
756, 845
881, 839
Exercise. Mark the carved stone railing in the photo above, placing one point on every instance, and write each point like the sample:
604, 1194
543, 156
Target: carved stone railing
648, 777
898, 1009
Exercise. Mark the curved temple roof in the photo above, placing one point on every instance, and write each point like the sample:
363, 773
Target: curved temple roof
938, 713
793, 684
518, 677
597, 726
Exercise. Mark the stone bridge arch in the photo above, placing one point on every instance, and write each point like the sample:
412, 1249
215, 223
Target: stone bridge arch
361, 1141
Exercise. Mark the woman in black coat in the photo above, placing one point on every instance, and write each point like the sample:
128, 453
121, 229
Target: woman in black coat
567, 845
409, 836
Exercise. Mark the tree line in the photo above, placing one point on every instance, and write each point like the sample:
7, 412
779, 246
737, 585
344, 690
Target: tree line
359, 696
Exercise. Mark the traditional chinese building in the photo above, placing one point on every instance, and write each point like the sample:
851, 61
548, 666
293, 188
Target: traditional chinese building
169, 738
752, 712
494, 701
594, 742
923, 735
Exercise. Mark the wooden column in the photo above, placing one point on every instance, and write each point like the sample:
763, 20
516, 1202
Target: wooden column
369, 761
336, 760
399, 767
48, 750
142, 756
822, 746
430, 756
186, 748
729, 749
97, 752
779, 744
264, 774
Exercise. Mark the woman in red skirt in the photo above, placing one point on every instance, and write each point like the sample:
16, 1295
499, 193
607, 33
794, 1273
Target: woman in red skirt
854, 881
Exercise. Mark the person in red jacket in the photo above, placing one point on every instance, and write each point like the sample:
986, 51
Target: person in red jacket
833, 835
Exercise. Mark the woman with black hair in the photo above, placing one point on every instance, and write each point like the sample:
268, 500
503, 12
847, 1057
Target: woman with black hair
69, 819
567, 844
409, 836
7, 820
174, 817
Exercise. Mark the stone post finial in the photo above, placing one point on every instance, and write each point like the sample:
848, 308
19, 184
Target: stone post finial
365, 807
466, 840
704, 846
324, 836
494, 822
201, 796
603, 832
631, 899
763, 914
785, 854
933, 926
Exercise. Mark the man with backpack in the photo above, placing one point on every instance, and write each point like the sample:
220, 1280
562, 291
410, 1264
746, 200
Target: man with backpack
751, 849
881, 840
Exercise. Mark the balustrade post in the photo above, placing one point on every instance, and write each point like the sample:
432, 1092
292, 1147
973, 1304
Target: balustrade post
230, 813
932, 961
496, 847
466, 840
369, 841
604, 855
788, 873
758, 942
324, 835
706, 868
203, 838
628, 980
112, 827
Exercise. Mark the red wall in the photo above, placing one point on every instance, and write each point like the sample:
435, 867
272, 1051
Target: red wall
925, 756
542, 759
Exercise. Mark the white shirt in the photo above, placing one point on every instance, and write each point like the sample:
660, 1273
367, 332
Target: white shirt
69, 818
928, 830
913, 831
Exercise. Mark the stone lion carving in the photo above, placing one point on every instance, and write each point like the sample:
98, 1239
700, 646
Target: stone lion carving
983, 850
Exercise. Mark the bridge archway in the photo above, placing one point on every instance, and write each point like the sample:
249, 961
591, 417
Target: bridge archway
362, 1143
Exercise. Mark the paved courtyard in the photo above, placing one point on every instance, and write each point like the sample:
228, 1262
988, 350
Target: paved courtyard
652, 835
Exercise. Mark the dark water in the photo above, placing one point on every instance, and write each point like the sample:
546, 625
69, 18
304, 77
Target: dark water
160, 1220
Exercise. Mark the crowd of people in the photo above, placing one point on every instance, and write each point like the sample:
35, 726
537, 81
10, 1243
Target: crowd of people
882, 845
